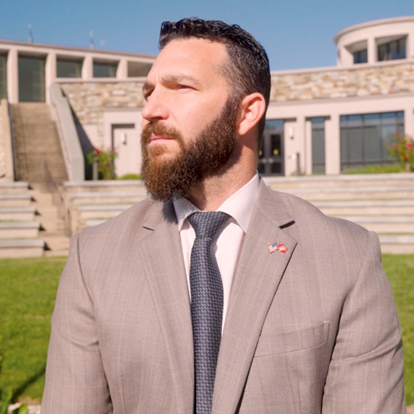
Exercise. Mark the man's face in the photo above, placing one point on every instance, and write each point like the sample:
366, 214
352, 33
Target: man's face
189, 120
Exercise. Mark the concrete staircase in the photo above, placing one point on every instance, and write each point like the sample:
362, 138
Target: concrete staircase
19, 229
30, 224
54, 233
383, 203
36, 142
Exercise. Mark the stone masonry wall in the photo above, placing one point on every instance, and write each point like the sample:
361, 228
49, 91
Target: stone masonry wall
90, 99
345, 83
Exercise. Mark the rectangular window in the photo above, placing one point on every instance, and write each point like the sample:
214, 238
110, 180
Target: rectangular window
361, 56
138, 69
3, 76
364, 138
32, 85
395, 49
318, 145
104, 69
69, 68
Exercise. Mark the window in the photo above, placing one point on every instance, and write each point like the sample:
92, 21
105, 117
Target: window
361, 56
137, 69
318, 145
32, 85
364, 138
392, 50
69, 68
104, 69
3, 76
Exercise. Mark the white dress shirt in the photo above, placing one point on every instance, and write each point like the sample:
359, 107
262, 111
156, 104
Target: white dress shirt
239, 206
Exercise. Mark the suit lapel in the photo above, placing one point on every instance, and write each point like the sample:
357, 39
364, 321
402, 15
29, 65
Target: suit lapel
161, 255
255, 283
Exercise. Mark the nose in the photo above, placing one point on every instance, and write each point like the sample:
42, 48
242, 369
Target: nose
155, 109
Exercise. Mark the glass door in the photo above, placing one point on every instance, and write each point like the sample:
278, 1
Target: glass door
32, 86
271, 153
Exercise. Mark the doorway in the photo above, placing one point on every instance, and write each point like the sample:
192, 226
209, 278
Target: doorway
32, 85
125, 141
271, 153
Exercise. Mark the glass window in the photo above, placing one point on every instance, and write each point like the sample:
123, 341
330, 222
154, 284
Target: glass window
364, 138
69, 68
104, 69
361, 56
32, 86
3, 76
395, 49
137, 69
318, 145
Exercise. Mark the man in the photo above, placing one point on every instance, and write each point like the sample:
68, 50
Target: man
218, 294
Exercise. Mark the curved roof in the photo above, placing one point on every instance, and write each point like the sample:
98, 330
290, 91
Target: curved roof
371, 24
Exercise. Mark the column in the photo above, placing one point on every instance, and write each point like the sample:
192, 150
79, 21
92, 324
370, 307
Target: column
87, 68
12, 77
50, 73
332, 145
308, 147
122, 70
372, 51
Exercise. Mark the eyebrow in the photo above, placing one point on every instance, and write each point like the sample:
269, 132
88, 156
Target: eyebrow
170, 79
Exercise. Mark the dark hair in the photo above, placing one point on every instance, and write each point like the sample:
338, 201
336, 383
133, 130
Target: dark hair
248, 70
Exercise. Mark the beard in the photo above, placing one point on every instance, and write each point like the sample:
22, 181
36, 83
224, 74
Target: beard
211, 153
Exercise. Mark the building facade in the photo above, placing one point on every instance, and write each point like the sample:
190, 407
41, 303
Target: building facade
319, 121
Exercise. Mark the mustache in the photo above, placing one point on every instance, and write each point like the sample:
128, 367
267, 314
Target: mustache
155, 128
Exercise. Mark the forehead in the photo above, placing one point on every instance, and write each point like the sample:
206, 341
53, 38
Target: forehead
196, 56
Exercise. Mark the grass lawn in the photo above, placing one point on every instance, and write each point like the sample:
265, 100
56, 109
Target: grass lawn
28, 288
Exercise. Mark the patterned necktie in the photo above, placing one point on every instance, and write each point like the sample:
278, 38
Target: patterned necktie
206, 304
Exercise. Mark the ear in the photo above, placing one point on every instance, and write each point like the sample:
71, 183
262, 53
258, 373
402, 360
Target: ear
252, 108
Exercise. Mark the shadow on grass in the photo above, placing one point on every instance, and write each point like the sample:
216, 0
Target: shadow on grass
31, 380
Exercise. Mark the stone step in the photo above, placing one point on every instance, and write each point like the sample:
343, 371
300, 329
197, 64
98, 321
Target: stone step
343, 180
107, 198
353, 193
385, 224
104, 186
16, 187
102, 211
15, 200
397, 243
16, 248
19, 229
17, 213
366, 207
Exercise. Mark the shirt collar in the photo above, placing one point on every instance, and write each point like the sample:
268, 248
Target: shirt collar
239, 205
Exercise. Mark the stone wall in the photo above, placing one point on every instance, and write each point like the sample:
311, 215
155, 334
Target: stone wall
89, 100
343, 83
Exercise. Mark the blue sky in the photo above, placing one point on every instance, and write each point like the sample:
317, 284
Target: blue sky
296, 33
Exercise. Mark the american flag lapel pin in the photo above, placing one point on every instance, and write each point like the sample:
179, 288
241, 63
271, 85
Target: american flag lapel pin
277, 247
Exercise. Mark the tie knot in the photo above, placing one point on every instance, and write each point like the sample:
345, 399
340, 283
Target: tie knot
208, 224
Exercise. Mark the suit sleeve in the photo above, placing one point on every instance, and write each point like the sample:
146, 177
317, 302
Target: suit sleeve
366, 370
75, 377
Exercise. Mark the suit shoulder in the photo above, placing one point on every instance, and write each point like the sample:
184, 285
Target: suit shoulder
133, 217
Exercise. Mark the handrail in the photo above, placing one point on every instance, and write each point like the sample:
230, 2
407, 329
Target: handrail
71, 148
59, 201
13, 145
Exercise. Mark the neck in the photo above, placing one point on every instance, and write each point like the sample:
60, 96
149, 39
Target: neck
210, 193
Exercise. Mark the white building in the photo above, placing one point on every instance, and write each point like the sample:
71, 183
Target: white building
321, 120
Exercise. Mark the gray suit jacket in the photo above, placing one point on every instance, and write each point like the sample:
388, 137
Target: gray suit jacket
310, 331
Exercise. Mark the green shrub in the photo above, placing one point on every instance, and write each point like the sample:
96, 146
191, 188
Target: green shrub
375, 169
105, 160
130, 177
